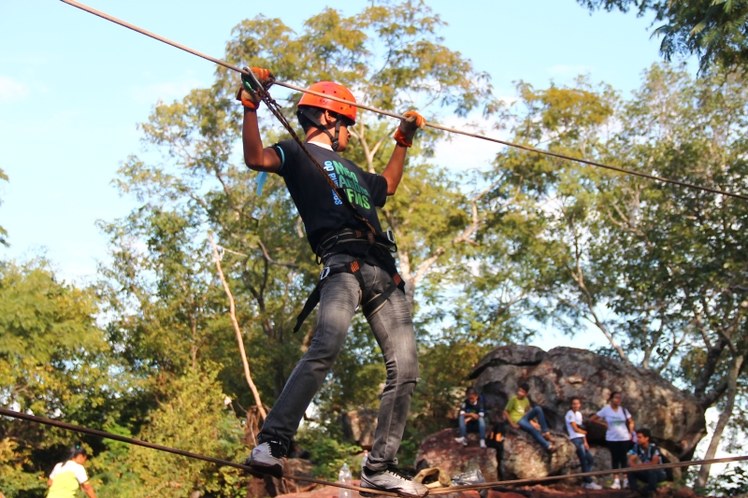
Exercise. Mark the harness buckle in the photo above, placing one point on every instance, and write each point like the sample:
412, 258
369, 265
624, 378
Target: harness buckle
324, 273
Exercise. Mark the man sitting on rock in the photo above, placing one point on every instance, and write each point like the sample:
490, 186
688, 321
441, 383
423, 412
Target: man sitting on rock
645, 452
520, 414
472, 417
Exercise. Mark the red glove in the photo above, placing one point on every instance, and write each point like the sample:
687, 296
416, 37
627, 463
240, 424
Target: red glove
409, 124
249, 92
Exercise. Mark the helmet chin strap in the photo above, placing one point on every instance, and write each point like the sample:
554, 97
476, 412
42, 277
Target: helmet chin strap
334, 140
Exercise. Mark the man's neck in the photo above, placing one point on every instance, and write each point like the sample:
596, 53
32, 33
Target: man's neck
320, 143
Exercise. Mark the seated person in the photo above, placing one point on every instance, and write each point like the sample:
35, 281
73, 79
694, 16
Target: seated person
472, 417
519, 414
645, 452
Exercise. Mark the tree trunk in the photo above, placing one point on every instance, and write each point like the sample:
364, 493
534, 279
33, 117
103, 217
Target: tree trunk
724, 417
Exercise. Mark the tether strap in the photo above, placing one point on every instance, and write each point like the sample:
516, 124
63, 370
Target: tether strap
353, 267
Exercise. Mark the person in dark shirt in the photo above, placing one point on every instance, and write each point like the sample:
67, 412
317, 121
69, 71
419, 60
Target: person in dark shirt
645, 452
337, 202
472, 417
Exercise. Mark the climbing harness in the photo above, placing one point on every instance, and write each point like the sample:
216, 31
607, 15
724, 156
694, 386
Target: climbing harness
364, 247
526, 148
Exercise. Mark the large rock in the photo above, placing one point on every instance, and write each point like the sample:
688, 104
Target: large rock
675, 418
441, 450
523, 456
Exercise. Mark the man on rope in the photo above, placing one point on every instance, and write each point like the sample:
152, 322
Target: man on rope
337, 202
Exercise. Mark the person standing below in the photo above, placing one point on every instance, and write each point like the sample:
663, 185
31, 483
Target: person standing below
337, 203
520, 414
618, 427
69, 476
578, 436
645, 452
472, 417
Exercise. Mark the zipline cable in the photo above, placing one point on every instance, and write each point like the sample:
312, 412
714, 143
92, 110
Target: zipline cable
485, 485
435, 126
139, 442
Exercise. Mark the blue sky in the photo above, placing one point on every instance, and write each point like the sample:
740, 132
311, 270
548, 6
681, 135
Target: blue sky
73, 88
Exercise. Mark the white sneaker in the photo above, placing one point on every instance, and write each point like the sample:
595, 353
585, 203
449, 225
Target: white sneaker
591, 485
482, 443
625, 484
267, 458
391, 480
616, 484
461, 440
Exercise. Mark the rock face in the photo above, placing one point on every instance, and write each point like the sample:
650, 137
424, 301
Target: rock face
675, 419
441, 450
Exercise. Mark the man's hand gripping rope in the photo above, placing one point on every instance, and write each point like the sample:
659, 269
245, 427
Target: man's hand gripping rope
410, 123
255, 83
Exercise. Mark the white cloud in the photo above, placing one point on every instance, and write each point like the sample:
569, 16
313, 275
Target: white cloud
12, 90
464, 152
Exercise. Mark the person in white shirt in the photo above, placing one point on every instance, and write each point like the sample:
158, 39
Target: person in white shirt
618, 429
69, 476
578, 436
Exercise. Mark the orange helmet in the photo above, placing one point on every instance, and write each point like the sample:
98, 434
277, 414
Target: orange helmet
335, 89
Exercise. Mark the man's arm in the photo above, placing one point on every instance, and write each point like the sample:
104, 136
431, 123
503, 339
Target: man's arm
576, 428
256, 156
598, 420
88, 489
393, 172
509, 419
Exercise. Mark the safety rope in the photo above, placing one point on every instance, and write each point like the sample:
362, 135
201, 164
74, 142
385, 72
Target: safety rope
435, 491
526, 148
139, 442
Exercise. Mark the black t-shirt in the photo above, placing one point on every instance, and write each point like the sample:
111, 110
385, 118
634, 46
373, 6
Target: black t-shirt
319, 206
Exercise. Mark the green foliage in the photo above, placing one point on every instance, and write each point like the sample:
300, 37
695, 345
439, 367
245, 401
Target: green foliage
192, 417
714, 30
444, 371
54, 362
169, 312
327, 453
658, 269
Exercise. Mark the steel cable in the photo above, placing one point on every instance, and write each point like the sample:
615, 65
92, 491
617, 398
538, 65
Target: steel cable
485, 485
435, 126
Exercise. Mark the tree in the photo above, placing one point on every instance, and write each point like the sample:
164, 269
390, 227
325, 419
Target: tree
658, 270
195, 396
201, 186
714, 30
54, 362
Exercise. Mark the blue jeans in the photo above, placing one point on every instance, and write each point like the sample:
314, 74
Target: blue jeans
650, 477
392, 326
480, 424
524, 423
585, 457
